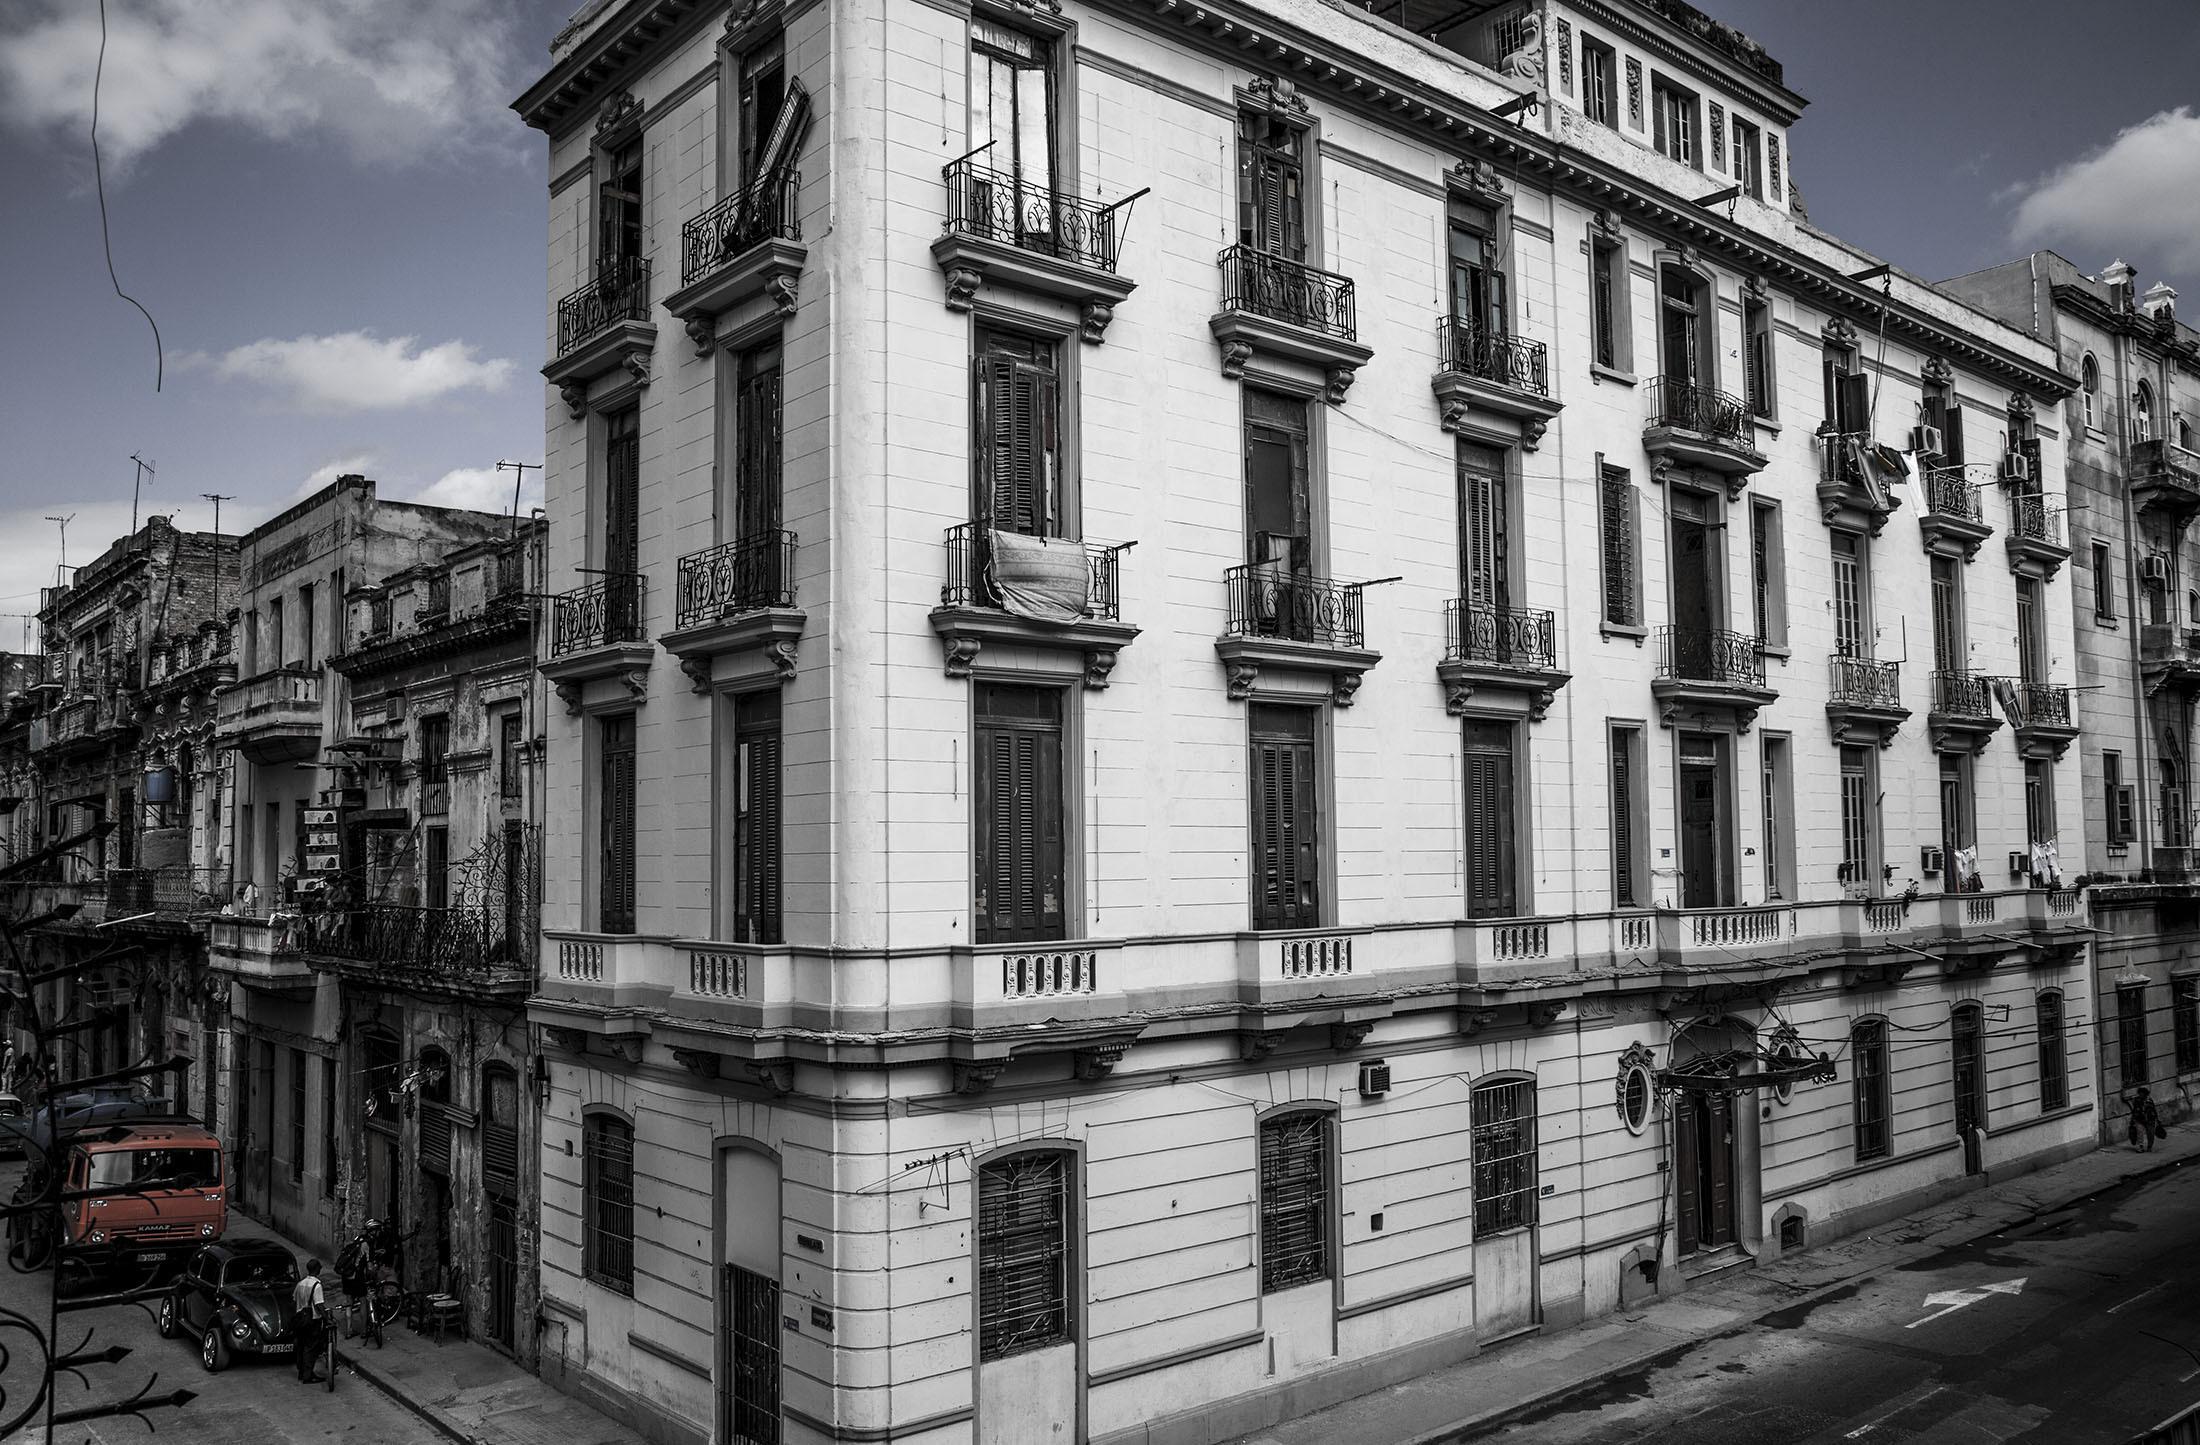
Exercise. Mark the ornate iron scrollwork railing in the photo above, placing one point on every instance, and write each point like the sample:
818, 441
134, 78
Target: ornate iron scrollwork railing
1266, 601
969, 581
741, 576
1708, 654
1963, 694
1505, 636
999, 206
1475, 350
759, 212
1286, 290
2035, 518
605, 611
1863, 682
444, 942
2041, 702
619, 293
1705, 410
1948, 493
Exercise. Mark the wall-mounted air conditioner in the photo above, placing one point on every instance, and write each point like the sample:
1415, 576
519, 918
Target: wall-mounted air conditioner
1374, 1078
1926, 440
1930, 860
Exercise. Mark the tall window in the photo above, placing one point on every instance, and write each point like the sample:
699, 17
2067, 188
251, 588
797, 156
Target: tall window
500, 1130
2031, 636
1018, 797
1950, 652
1504, 1152
509, 762
2039, 800
607, 1201
1673, 121
2089, 389
1620, 547
1477, 282
274, 633
1279, 529
1630, 806
621, 521
331, 1149
615, 894
1295, 1199
1608, 317
1851, 592
1848, 390
1271, 181
297, 1115
2131, 1034
1868, 1062
2142, 414
1024, 1232
1955, 812
619, 209
2054, 1065
1599, 82
1768, 572
1749, 158
763, 92
435, 866
1966, 1038
1019, 444
306, 650
2104, 584
1779, 838
435, 748
756, 467
1485, 563
1287, 815
1492, 839
1859, 811
1012, 103
756, 818
1685, 327
2119, 802
2184, 999
1757, 333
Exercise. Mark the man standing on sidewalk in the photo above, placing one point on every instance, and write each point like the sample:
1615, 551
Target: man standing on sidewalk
308, 1319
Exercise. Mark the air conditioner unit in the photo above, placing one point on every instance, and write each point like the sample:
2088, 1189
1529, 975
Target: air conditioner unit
1926, 440
2019, 863
2154, 570
1930, 860
1374, 1078
2017, 467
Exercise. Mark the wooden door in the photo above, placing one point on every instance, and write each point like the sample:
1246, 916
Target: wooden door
1701, 866
1286, 821
1491, 870
503, 1272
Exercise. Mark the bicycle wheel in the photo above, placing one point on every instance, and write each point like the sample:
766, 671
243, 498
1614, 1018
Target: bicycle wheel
385, 1304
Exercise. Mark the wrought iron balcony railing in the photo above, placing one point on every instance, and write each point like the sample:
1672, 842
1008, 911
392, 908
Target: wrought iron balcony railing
972, 582
1475, 350
1285, 290
1704, 410
1503, 636
2039, 703
760, 212
445, 942
2034, 518
1710, 655
1949, 493
172, 890
606, 611
999, 206
1963, 694
1864, 682
740, 576
619, 293
1266, 601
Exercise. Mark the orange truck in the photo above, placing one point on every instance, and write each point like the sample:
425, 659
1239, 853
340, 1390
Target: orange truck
182, 1197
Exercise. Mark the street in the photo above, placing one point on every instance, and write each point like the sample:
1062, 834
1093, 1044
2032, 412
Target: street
2043, 1334
250, 1403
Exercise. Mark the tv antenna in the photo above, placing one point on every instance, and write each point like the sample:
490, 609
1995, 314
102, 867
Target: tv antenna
217, 499
144, 470
63, 523
519, 476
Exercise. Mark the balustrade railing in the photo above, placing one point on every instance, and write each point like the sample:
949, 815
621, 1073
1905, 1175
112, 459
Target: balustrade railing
741, 222
973, 578
1285, 290
619, 293
1864, 682
1726, 927
1004, 207
1964, 694
606, 611
1886, 915
1266, 601
1949, 493
2035, 518
1704, 410
742, 576
1504, 636
1476, 350
1703, 654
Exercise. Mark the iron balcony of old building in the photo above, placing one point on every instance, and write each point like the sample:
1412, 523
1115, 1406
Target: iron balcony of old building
596, 633
166, 897
2035, 539
272, 717
2165, 479
1004, 229
1850, 496
456, 950
2169, 656
1710, 670
2041, 714
604, 327
1502, 659
1954, 520
1864, 701
736, 598
1294, 621
1962, 716
1484, 375
1692, 425
748, 245
1281, 313
1050, 592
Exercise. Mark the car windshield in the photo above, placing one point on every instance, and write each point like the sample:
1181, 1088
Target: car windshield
167, 1168
260, 1269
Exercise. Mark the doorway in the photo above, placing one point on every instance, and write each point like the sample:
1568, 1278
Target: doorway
1694, 652
748, 1365
1703, 822
503, 1272
1703, 1155
1967, 1036
1505, 1193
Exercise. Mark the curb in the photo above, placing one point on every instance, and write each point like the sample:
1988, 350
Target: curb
390, 1388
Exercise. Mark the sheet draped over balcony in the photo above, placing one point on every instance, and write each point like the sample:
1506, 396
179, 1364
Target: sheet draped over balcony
1047, 579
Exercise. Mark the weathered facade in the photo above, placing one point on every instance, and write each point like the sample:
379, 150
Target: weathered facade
1141, 839
2133, 461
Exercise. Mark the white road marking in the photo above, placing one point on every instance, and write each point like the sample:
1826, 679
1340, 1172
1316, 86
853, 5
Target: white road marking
1870, 1425
2142, 1294
1948, 1301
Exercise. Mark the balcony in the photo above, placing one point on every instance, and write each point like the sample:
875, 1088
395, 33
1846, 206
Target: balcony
164, 897
261, 952
2165, 478
1294, 622
1855, 482
1699, 426
1003, 231
735, 599
272, 718
81, 726
604, 327
1706, 670
2035, 539
466, 951
1962, 717
1287, 323
1499, 660
1954, 522
597, 634
1057, 594
1864, 704
1485, 377
2169, 656
2041, 714
747, 246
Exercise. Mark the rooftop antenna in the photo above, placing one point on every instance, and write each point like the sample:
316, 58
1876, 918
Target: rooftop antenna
519, 475
217, 499
63, 522
144, 470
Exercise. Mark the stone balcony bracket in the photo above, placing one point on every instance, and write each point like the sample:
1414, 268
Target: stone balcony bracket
972, 263
1463, 400
1245, 658
964, 632
624, 347
626, 663
1474, 688
1294, 358
771, 632
713, 308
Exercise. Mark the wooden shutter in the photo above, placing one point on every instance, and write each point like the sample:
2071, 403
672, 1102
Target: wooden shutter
500, 1131
1483, 565
1019, 806
1686, 1115
435, 1139
757, 505
757, 827
622, 493
1617, 499
1489, 810
1269, 218
1852, 402
615, 906
1286, 820
1019, 403
1623, 820
1951, 430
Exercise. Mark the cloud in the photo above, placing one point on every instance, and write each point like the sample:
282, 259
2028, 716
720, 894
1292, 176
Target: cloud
354, 370
482, 489
2140, 193
393, 79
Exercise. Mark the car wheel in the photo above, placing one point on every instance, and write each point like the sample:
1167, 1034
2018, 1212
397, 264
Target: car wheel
213, 1349
166, 1322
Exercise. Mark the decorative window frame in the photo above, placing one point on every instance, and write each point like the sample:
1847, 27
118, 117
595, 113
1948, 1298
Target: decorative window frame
1635, 1085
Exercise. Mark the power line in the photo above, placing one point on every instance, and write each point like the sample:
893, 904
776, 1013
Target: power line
99, 177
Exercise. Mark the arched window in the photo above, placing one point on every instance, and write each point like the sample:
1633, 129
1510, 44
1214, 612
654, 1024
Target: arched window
1296, 1197
2185, 437
2089, 386
2142, 413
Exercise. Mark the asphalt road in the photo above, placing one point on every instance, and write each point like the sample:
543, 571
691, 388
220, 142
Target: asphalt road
2043, 1334
249, 1403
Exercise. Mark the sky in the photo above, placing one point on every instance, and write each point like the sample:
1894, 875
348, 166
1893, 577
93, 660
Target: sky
338, 224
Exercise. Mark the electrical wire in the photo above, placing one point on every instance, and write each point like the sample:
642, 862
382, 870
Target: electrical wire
99, 177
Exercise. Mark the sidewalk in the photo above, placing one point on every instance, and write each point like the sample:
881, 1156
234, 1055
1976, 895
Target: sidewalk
469, 1392
1482, 1393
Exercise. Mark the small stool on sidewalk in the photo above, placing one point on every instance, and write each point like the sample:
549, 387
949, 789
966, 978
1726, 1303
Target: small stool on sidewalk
440, 1312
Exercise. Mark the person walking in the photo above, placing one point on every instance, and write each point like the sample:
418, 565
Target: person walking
2146, 1120
309, 1320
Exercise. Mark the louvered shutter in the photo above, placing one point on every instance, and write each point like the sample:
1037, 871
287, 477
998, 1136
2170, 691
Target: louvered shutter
1685, 1124
757, 470
1489, 809
622, 501
758, 836
1623, 822
1286, 823
435, 1139
1951, 428
616, 905
1019, 402
1482, 512
500, 1131
1019, 807
1853, 402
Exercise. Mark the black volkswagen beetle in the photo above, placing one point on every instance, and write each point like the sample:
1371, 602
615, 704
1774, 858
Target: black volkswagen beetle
234, 1299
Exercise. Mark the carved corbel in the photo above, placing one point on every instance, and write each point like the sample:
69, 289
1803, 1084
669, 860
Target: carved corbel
1257, 1044
1346, 1037
1094, 326
1242, 677
1339, 382
569, 693
1544, 1012
1744, 719
1344, 686
636, 680
697, 666
636, 362
575, 396
703, 331
1097, 1061
1458, 692
1474, 1020
1838, 331
627, 1047
780, 650
975, 1076
1938, 372
1099, 663
776, 1075
784, 287
1531, 433
1539, 703
961, 653
1452, 412
700, 1063
571, 1041
962, 287
1235, 354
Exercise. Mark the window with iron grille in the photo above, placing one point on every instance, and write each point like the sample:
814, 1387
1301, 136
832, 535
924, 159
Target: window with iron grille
2184, 997
2054, 1065
607, 1201
2131, 1034
297, 1115
1024, 1234
1621, 548
1868, 1059
1503, 1142
1294, 1199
